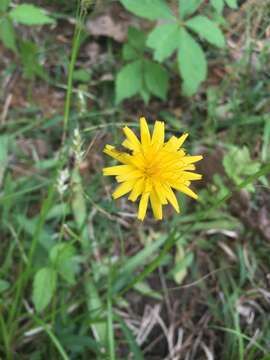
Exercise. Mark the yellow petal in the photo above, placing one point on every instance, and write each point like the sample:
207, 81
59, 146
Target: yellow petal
143, 206
117, 155
145, 133
158, 134
156, 205
171, 144
133, 174
123, 189
117, 170
192, 159
190, 176
181, 140
171, 197
137, 190
160, 193
133, 141
185, 190
188, 167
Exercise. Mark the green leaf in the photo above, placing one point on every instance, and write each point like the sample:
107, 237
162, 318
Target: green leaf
44, 287
4, 4
4, 285
192, 63
164, 40
182, 262
149, 9
29, 57
129, 53
138, 260
128, 81
134, 48
145, 95
134, 348
188, 7
232, 4
145, 289
207, 29
28, 14
82, 75
238, 165
63, 258
136, 38
218, 5
156, 79
7, 34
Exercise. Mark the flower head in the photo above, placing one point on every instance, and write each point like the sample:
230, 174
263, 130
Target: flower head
151, 168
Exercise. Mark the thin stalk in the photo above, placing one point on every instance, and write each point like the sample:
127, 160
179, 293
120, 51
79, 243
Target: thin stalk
74, 53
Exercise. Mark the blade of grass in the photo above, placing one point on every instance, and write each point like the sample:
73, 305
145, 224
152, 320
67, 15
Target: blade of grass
243, 336
138, 355
111, 341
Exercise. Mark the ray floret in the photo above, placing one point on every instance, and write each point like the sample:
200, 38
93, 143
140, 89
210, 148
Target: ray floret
151, 169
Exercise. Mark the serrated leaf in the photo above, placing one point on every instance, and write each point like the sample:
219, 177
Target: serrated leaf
44, 287
218, 5
164, 40
192, 63
207, 29
7, 34
28, 14
63, 258
149, 9
128, 81
232, 4
156, 79
188, 7
4, 4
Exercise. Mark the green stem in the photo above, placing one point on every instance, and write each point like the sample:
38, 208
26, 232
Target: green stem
74, 53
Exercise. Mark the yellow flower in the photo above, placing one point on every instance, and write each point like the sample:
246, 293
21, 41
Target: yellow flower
152, 168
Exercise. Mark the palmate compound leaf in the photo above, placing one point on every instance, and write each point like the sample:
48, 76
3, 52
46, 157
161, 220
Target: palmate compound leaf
128, 81
188, 7
44, 287
164, 40
28, 14
207, 29
149, 9
192, 63
156, 79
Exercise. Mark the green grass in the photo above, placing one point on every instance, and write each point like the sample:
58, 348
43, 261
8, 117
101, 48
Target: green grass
108, 269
